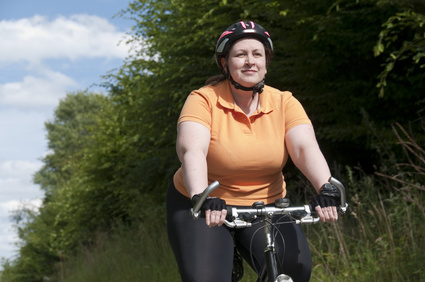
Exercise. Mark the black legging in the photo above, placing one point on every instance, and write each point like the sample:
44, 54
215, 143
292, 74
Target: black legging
206, 254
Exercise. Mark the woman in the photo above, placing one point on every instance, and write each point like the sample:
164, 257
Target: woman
240, 132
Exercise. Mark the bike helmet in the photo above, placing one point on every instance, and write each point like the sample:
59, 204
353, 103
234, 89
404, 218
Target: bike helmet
239, 30
234, 33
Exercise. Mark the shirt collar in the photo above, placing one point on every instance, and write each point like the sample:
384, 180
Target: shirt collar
225, 98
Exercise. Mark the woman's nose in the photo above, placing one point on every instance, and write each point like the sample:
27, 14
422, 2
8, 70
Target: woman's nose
249, 60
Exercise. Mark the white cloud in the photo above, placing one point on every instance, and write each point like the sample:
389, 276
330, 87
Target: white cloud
18, 168
10, 206
36, 91
78, 36
16, 180
33, 41
7, 208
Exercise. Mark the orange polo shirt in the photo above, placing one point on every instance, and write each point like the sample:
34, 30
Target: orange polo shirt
246, 154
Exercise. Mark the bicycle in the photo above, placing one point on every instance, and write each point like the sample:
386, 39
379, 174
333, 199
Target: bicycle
243, 217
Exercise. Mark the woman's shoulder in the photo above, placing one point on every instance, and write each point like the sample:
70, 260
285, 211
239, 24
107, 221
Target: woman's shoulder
215, 93
277, 94
207, 91
212, 89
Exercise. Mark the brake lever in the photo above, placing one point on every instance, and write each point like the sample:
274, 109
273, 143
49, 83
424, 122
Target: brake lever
306, 216
237, 223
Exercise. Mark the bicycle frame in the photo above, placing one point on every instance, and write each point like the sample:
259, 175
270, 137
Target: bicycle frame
272, 269
270, 253
259, 209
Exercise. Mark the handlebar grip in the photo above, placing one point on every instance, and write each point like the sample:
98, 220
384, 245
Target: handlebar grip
342, 192
229, 213
313, 212
195, 210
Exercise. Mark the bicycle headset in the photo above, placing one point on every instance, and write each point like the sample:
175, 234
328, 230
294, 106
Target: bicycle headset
235, 32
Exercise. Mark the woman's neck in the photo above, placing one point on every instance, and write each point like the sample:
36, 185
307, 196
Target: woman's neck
245, 100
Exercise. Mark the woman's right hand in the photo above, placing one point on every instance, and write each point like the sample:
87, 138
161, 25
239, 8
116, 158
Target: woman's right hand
214, 209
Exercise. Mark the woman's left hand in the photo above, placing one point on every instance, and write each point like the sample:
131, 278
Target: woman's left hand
326, 202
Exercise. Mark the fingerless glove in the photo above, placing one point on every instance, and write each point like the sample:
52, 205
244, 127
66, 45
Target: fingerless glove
329, 196
210, 203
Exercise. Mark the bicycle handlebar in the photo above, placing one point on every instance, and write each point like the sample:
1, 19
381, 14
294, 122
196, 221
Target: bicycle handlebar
239, 216
242, 217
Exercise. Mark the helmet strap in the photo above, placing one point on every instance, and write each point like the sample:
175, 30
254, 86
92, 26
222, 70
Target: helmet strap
257, 88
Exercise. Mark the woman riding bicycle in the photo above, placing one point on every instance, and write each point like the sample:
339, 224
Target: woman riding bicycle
239, 131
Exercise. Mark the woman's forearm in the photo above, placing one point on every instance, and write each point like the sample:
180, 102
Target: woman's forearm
195, 174
192, 148
313, 165
307, 156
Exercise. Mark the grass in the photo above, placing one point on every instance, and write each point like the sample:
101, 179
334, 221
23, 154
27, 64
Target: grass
381, 240
140, 254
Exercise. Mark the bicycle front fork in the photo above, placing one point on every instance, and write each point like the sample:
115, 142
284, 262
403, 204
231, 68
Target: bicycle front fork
272, 267
270, 254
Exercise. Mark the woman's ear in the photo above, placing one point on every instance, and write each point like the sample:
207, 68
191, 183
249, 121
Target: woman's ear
223, 63
225, 67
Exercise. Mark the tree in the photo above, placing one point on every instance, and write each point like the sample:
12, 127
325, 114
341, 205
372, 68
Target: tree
48, 235
404, 36
67, 135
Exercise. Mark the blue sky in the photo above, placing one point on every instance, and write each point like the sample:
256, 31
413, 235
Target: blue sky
48, 48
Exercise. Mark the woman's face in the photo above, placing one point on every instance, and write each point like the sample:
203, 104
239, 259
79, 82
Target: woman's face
247, 62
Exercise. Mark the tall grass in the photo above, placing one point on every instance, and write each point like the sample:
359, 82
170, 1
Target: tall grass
381, 238
138, 254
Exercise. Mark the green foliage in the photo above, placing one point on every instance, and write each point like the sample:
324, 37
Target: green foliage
35, 249
67, 135
51, 233
385, 225
113, 156
328, 63
404, 38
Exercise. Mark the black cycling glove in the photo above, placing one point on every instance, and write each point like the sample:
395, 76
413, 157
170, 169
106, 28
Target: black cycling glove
329, 196
210, 203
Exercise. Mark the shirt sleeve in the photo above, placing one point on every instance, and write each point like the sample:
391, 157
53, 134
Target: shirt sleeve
197, 108
295, 114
